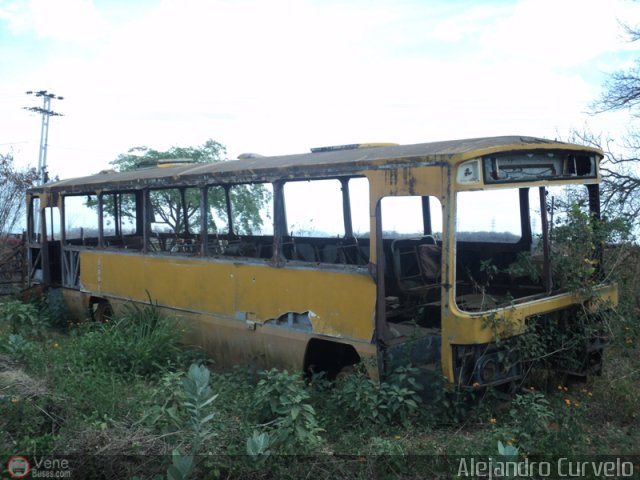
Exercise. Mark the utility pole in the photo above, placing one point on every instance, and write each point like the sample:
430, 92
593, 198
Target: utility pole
46, 112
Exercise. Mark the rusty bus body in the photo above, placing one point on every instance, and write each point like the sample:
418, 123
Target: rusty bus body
326, 301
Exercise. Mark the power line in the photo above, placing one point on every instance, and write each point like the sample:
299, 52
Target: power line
46, 112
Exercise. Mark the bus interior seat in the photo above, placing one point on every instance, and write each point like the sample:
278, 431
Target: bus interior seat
416, 263
330, 254
430, 256
265, 250
350, 252
306, 252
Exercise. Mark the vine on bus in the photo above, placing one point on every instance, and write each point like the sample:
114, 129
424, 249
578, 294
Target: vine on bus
583, 257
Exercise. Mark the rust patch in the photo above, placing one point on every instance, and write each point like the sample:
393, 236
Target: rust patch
391, 179
409, 180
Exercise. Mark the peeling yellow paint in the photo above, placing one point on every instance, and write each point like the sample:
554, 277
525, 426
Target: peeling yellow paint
342, 301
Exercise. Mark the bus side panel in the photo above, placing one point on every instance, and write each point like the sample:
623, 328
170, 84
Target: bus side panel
228, 342
338, 304
234, 343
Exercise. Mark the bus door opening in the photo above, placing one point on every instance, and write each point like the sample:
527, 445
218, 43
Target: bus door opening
412, 245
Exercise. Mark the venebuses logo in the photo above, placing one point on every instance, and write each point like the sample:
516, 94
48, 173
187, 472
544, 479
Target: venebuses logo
18, 467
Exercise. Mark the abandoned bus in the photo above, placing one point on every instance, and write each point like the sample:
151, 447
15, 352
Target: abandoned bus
316, 261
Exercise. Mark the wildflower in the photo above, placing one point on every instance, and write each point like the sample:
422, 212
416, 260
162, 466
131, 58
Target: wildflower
397, 437
475, 385
15, 399
565, 389
493, 420
560, 387
55, 345
567, 402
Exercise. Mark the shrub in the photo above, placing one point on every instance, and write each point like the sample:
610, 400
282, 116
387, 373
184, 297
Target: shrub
393, 401
198, 397
356, 398
18, 346
198, 400
538, 423
23, 318
282, 401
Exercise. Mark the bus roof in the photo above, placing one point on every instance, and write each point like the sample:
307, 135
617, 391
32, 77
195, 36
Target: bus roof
334, 162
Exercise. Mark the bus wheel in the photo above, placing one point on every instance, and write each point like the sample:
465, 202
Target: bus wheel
101, 311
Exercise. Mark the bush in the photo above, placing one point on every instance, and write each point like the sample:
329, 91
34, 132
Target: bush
539, 423
17, 346
23, 318
282, 401
361, 399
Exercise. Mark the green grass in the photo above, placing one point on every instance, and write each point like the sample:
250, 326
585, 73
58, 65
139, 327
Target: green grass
119, 389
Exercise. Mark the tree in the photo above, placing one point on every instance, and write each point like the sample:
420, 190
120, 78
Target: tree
248, 200
13, 187
620, 187
139, 157
621, 175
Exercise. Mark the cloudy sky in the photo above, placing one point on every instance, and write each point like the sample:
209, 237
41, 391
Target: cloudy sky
285, 75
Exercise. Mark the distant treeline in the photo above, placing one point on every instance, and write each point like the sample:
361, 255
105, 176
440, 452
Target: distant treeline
496, 237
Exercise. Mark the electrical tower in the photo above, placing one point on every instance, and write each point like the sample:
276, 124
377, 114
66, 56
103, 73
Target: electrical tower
46, 112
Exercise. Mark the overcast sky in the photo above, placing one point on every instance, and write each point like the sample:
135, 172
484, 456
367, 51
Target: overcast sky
280, 77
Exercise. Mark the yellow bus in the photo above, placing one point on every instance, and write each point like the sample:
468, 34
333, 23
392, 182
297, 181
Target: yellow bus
364, 251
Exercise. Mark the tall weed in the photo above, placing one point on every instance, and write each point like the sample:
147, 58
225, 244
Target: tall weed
140, 342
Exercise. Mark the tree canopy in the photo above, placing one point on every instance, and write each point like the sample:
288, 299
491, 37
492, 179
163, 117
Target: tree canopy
14, 183
621, 175
137, 157
248, 201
